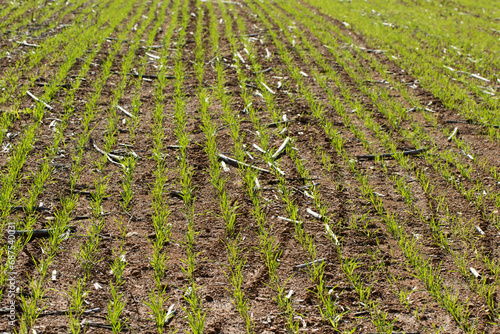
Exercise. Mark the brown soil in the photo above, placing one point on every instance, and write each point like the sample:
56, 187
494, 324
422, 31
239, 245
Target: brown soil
373, 245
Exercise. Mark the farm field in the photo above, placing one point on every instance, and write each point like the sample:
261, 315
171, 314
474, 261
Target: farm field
208, 166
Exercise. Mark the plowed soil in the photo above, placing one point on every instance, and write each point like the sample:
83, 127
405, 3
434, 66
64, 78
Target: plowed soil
384, 266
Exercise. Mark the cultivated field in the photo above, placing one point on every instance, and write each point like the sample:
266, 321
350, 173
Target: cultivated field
205, 166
